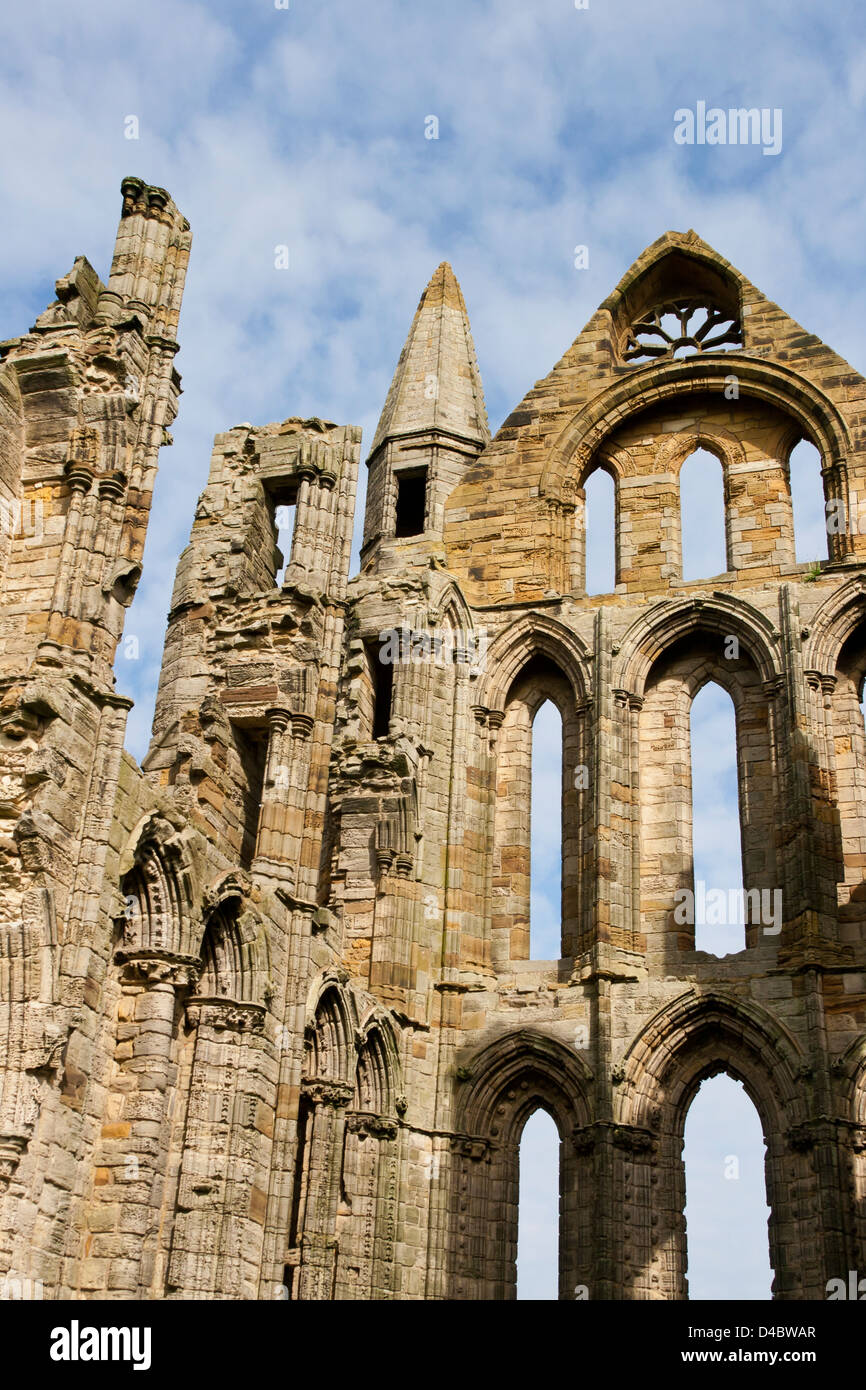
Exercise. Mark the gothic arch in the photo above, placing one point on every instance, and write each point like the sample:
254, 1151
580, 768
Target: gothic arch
234, 945
697, 1036
514, 1075
837, 618
792, 394
159, 883
330, 1029
617, 463
714, 438
533, 635
377, 1074
451, 606
537, 659
851, 1070
676, 263
666, 622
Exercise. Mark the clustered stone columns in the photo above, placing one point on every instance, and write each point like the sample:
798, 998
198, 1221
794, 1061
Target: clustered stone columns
393, 918
312, 544
366, 1249
222, 1189
284, 794
131, 1163
324, 1107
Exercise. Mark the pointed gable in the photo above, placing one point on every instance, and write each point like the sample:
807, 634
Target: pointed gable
685, 335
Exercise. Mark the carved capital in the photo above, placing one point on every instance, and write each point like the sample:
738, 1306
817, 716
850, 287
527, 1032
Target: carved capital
157, 967
278, 719
384, 859
323, 1092
800, 1138
222, 1014
79, 475
371, 1126
468, 1146
633, 1139
12, 1146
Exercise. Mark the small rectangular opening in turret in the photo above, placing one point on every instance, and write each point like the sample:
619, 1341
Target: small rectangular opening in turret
411, 502
379, 694
283, 503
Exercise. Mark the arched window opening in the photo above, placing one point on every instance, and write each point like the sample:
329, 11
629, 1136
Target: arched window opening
222, 963
252, 751
284, 525
702, 517
719, 903
377, 690
807, 501
849, 729
545, 899
600, 526
726, 1202
538, 1209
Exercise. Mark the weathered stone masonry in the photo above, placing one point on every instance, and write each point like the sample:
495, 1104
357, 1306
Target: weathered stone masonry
269, 1024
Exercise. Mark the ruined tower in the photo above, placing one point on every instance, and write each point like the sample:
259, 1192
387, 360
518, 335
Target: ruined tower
273, 1029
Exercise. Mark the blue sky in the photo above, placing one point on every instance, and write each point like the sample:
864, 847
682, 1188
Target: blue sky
305, 127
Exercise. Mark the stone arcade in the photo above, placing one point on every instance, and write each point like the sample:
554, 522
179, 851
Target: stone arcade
270, 1026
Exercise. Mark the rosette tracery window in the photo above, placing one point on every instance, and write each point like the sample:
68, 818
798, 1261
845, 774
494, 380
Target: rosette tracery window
680, 328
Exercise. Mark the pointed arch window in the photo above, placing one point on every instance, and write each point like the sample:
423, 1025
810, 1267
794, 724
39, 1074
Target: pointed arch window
703, 528
545, 855
222, 969
538, 1209
709, 820
716, 848
537, 886
600, 532
811, 516
724, 1156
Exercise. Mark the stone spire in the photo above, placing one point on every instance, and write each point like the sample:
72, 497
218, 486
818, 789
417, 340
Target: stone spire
437, 385
434, 423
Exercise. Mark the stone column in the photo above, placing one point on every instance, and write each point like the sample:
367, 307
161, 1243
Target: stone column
218, 1231
365, 1267
317, 1253
303, 549
131, 1158
80, 476
281, 819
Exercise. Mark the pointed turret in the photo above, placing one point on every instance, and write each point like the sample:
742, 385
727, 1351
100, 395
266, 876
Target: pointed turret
434, 422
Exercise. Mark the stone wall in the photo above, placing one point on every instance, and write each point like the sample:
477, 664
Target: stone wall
272, 1025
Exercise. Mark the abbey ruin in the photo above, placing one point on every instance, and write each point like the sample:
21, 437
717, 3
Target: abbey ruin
271, 1026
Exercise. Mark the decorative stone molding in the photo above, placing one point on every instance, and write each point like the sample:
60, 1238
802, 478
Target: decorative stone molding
324, 1092
225, 1014
155, 967
372, 1126
468, 1146
12, 1146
